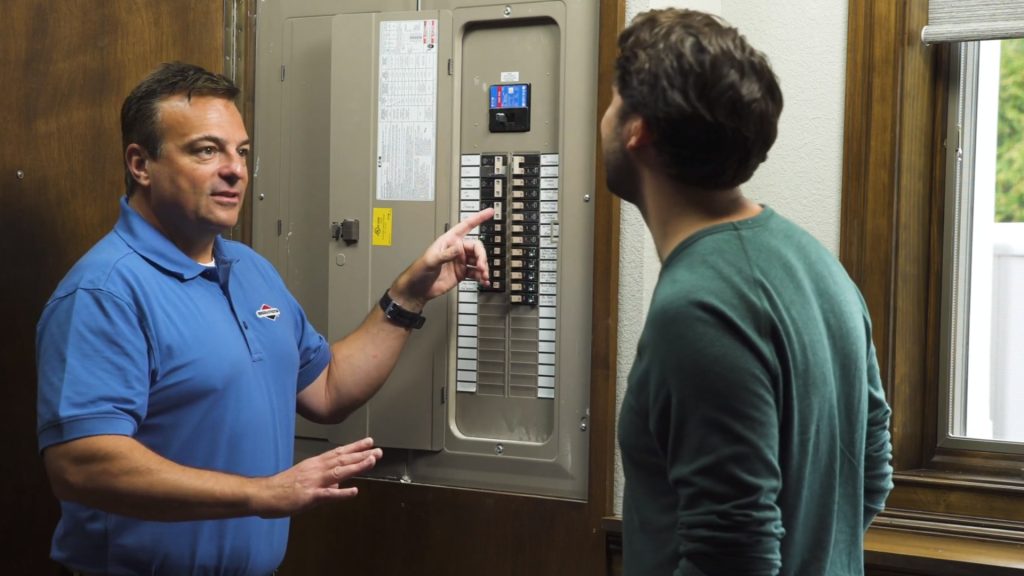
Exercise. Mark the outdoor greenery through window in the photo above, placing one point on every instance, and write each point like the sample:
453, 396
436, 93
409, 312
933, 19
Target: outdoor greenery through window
1010, 150
984, 300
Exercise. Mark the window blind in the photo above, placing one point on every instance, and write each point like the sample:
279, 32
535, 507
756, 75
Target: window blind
967, 20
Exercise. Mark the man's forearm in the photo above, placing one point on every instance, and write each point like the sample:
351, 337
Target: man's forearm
363, 360
118, 474
360, 364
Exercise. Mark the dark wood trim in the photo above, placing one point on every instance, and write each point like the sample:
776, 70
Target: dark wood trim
244, 50
613, 545
888, 182
868, 165
937, 85
612, 524
885, 176
921, 545
1006, 531
605, 318
904, 552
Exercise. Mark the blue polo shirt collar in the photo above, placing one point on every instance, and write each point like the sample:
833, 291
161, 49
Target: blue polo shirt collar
151, 244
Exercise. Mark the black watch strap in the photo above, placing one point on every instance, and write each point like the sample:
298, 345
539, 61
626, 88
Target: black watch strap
398, 315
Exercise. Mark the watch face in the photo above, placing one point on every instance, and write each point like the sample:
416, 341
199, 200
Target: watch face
398, 315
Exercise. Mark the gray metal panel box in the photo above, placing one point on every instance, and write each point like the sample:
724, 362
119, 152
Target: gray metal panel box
493, 392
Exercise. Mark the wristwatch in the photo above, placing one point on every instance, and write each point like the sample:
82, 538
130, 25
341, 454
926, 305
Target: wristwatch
398, 315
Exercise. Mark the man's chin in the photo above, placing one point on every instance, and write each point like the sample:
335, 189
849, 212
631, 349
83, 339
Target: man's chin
224, 222
626, 193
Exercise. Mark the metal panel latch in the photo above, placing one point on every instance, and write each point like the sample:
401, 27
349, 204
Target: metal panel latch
347, 230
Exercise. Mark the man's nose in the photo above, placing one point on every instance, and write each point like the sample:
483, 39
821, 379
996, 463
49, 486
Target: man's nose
234, 169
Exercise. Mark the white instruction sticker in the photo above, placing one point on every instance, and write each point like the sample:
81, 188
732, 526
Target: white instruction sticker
407, 110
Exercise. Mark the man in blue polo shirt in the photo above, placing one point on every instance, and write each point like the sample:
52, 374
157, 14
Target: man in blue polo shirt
171, 361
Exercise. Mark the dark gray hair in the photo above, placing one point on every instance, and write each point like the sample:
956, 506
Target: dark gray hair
139, 114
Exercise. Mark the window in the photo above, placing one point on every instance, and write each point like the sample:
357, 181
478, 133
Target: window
983, 304
951, 491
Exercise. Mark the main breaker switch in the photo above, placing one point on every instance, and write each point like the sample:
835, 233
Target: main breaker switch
510, 108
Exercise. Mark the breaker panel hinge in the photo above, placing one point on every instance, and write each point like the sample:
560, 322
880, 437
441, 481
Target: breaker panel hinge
282, 72
449, 66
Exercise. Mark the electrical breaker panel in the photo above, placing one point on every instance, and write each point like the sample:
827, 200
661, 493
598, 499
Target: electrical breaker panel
378, 126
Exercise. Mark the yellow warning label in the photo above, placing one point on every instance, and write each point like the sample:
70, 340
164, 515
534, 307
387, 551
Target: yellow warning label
382, 226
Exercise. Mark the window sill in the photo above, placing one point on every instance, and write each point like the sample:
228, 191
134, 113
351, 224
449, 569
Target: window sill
910, 552
941, 555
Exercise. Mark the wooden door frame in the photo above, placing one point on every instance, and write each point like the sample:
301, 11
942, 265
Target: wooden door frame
605, 321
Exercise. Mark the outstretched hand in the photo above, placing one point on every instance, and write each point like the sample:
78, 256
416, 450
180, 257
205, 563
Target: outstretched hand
449, 260
315, 480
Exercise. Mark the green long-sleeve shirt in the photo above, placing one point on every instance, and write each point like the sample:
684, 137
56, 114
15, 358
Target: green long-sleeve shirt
754, 429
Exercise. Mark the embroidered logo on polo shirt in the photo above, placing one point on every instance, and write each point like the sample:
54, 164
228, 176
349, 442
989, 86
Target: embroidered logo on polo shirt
268, 311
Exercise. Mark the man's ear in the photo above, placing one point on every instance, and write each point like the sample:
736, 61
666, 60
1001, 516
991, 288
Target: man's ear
137, 160
637, 133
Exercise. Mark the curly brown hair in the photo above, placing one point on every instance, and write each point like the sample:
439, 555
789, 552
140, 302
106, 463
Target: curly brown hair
710, 100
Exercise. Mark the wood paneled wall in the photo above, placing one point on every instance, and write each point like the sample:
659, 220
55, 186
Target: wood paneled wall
65, 68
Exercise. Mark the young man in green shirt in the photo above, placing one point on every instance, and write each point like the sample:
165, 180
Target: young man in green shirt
754, 429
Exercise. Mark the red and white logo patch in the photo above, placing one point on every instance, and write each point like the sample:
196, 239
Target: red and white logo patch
268, 311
